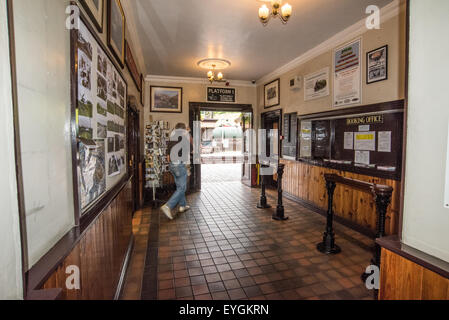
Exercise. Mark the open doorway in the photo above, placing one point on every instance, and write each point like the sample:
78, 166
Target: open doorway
223, 146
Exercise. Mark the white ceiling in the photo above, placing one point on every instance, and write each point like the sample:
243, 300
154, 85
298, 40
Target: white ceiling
175, 34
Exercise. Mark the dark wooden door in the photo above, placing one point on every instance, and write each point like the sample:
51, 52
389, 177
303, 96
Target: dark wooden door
134, 153
195, 178
272, 120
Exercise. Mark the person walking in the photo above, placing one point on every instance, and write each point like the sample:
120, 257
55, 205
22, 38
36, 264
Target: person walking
179, 153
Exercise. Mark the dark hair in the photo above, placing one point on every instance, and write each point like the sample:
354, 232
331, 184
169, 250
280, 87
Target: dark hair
180, 126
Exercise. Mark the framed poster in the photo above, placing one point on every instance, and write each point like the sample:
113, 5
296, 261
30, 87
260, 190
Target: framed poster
316, 85
116, 30
99, 111
95, 10
166, 99
348, 74
226, 95
272, 93
377, 65
132, 66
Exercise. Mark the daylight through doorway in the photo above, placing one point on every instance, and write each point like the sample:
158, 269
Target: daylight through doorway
221, 146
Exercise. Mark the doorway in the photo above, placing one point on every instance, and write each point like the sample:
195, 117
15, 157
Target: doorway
133, 119
222, 146
270, 121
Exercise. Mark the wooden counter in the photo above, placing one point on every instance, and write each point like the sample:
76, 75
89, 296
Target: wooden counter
305, 183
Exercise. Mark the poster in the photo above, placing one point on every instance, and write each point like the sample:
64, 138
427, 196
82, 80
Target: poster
362, 157
349, 141
384, 141
365, 141
306, 139
316, 85
377, 65
93, 174
348, 74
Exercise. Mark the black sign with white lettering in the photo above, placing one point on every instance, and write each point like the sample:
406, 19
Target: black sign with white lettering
226, 95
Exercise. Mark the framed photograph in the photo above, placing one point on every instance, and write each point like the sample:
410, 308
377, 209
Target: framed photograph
95, 10
132, 66
377, 65
272, 94
116, 30
166, 99
142, 92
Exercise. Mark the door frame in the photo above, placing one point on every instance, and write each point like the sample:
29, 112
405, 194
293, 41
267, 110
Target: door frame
133, 132
273, 114
195, 109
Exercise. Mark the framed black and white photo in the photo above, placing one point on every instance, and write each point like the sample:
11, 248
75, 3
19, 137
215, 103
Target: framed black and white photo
166, 99
272, 94
377, 65
95, 10
116, 30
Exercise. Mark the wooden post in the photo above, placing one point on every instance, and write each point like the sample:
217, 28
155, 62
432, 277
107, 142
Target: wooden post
279, 215
328, 245
263, 198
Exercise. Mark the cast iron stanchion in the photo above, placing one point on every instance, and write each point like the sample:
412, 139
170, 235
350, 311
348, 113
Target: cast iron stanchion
263, 198
382, 197
279, 215
328, 245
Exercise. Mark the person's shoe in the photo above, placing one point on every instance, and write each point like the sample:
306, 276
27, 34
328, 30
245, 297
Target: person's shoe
166, 210
184, 209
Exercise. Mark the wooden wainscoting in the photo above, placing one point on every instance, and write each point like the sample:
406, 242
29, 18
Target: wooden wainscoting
403, 279
100, 254
307, 183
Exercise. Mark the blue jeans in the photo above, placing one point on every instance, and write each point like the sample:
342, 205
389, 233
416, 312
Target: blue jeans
179, 172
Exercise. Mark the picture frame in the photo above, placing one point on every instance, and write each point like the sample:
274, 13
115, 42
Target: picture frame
116, 30
95, 11
98, 107
132, 66
166, 99
272, 94
377, 65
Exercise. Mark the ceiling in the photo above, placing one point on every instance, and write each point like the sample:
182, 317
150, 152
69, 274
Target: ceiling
175, 34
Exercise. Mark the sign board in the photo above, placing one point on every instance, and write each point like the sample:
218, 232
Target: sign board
226, 95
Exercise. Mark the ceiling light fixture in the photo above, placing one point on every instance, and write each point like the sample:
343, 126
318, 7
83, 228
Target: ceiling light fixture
284, 13
213, 65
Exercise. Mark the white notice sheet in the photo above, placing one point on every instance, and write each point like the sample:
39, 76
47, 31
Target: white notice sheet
384, 141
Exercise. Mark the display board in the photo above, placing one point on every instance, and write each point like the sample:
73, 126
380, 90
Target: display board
289, 143
101, 95
371, 141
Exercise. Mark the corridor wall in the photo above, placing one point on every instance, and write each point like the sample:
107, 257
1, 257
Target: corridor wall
10, 251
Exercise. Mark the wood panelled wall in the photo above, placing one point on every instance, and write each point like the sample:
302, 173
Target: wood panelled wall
307, 183
402, 279
100, 254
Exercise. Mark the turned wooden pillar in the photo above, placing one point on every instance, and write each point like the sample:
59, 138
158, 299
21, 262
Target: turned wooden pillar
263, 198
279, 215
328, 245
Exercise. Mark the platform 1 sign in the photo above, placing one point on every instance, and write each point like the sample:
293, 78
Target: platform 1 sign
226, 95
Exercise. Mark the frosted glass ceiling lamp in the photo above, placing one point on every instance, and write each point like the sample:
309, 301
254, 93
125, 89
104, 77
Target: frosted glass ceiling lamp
283, 12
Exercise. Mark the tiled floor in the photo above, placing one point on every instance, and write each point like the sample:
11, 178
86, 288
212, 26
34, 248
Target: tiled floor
211, 173
224, 248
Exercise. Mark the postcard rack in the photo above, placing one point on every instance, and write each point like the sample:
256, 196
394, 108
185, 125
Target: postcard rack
157, 135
